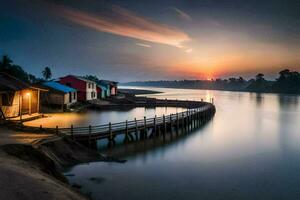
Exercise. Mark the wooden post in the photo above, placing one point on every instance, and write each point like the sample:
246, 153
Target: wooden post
194, 118
198, 116
136, 130
154, 128
171, 128
90, 134
20, 104
41, 127
56, 130
165, 126
29, 102
187, 121
177, 124
110, 132
38, 102
72, 132
126, 133
145, 128
182, 122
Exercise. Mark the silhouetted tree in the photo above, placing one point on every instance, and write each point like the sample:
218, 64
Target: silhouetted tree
288, 82
7, 66
259, 84
5, 63
47, 74
260, 77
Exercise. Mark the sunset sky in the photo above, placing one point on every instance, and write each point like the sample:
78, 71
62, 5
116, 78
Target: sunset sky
128, 40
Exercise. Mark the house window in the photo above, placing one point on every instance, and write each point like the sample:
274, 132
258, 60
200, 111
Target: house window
93, 94
89, 85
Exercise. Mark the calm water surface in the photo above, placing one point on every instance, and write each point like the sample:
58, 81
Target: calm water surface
90, 117
250, 150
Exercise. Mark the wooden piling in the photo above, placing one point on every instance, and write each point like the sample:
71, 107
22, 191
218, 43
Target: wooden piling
110, 132
72, 132
177, 124
182, 123
90, 135
154, 128
56, 130
171, 125
126, 132
145, 128
165, 127
136, 130
165, 124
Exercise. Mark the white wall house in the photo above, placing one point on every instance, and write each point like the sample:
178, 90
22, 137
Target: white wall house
91, 90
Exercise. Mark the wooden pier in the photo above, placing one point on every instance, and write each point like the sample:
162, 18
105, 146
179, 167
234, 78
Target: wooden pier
143, 129
197, 114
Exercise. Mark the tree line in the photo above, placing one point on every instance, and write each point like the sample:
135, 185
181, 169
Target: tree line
287, 82
7, 66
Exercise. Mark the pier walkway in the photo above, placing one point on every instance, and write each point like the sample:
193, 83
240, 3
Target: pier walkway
198, 112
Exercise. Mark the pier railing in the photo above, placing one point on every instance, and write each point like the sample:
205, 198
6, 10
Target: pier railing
196, 114
140, 123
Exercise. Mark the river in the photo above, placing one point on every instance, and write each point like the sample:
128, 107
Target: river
249, 150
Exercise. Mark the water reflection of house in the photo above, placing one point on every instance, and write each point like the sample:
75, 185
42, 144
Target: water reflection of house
59, 94
18, 98
86, 89
108, 88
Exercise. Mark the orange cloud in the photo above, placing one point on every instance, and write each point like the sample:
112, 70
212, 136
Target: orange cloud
123, 22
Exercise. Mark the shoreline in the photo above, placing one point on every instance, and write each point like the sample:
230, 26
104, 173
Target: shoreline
190, 88
138, 91
36, 170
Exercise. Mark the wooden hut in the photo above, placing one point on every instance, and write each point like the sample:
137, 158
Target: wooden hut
59, 95
18, 98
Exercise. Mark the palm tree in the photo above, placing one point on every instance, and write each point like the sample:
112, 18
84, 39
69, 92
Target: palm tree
47, 74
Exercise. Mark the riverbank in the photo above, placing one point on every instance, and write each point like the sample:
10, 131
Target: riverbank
138, 91
34, 170
26, 173
193, 87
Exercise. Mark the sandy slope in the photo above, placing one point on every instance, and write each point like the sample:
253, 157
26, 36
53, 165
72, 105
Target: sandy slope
22, 180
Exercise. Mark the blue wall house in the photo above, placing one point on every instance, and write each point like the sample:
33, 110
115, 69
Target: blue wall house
109, 88
59, 94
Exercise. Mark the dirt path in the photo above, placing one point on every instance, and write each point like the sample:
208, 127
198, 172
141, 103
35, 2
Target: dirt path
8, 136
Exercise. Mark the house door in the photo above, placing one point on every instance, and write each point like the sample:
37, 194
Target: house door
70, 97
